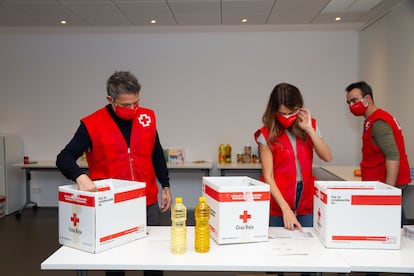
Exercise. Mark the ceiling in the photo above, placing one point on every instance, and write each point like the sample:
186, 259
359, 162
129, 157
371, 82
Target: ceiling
133, 13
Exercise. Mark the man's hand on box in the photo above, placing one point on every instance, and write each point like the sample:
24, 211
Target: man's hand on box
85, 183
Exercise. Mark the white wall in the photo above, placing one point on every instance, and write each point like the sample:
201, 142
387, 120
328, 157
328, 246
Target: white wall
207, 88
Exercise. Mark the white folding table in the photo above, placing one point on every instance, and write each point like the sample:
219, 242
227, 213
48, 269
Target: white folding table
153, 253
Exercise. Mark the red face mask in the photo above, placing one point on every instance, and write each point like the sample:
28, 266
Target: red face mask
358, 109
125, 113
286, 120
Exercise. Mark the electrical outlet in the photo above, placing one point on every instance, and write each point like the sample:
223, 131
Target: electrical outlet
36, 190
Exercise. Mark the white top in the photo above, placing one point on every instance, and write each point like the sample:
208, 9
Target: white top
262, 140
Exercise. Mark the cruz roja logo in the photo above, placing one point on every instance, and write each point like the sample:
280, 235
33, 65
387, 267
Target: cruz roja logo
144, 120
245, 216
75, 220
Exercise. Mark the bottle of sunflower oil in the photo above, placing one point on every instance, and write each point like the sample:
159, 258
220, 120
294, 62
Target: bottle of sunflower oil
178, 227
202, 228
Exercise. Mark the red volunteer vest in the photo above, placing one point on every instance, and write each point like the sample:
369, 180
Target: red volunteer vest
373, 160
110, 156
284, 167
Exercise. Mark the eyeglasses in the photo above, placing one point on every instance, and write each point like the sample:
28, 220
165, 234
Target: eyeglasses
353, 100
128, 105
293, 112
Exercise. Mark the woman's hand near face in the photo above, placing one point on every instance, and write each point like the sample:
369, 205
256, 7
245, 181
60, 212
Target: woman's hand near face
304, 119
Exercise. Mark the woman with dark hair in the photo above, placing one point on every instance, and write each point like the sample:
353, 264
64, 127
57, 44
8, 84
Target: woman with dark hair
286, 143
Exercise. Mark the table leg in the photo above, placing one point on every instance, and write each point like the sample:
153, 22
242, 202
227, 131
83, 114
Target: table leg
28, 200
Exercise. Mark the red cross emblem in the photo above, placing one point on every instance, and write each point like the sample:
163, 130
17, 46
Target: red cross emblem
74, 219
245, 216
144, 120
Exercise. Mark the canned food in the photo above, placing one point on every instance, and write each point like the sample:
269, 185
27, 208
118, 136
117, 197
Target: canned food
240, 157
248, 150
246, 158
222, 154
228, 153
255, 158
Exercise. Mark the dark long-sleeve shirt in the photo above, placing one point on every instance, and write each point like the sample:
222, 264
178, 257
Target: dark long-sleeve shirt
81, 141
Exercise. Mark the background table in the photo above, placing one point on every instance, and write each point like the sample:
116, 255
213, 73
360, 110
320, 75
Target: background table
49, 165
345, 173
239, 168
192, 166
38, 166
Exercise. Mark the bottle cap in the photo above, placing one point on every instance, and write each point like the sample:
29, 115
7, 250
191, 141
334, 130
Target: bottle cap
178, 200
202, 199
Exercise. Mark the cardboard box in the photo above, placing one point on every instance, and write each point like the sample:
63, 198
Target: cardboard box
174, 156
95, 222
239, 209
357, 214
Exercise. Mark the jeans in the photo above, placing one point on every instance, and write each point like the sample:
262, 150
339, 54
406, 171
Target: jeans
304, 220
403, 216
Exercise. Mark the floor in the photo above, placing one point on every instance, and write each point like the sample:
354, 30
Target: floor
29, 240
